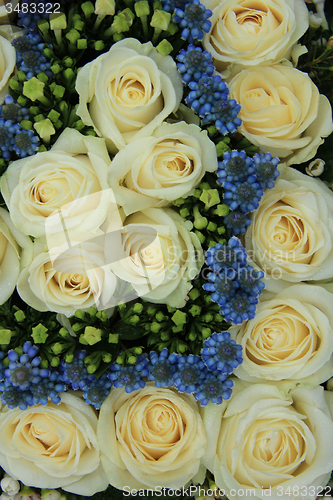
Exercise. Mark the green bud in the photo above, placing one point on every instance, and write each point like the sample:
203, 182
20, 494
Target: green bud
210, 197
206, 332
117, 37
157, 5
180, 201
133, 320
68, 62
22, 101
63, 332
91, 368
39, 334
41, 149
92, 311
69, 358
137, 308
137, 350
79, 125
131, 360
218, 318
43, 77
195, 310
179, 318
55, 361
142, 8
19, 316
172, 29
44, 363
43, 25
92, 335
58, 348
76, 327
200, 222
53, 115
165, 336
99, 45
120, 359
15, 85
171, 309
113, 338
44, 129
197, 193
160, 20
151, 310
34, 89
177, 329
160, 316
155, 327
5, 336
73, 35
34, 110
121, 23
102, 315
208, 317
221, 148
82, 340
79, 25
221, 230
48, 53
184, 212
212, 131
58, 21
21, 76
81, 45
181, 347
192, 336
200, 236
88, 8
194, 294
106, 357
80, 314
5, 362
212, 243
222, 210
212, 227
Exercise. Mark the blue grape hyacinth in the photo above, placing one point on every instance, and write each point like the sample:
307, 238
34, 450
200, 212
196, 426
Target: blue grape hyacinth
194, 20
222, 354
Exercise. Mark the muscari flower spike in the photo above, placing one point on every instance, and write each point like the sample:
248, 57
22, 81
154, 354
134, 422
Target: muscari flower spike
236, 222
235, 167
12, 111
193, 63
194, 19
49, 387
29, 19
243, 195
30, 57
222, 354
206, 92
265, 169
97, 390
249, 280
23, 370
233, 255
7, 137
189, 374
75, 374
224, 114
214, 388
25, 143
222, 286
239, 308
162, 368
130, 377
171, 5
13, 397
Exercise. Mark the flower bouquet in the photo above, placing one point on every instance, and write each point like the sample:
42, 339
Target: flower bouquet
166, 249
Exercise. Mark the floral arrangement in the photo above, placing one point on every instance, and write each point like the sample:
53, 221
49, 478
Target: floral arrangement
166, 249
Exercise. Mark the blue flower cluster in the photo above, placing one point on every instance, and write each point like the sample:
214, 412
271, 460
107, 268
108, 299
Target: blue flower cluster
244, 180
24, 383
32, 13
209, 95
29, 55
190, 374
12, 136
234, 285
193, 18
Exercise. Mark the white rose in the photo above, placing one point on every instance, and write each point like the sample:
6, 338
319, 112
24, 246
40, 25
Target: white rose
291, 337
68, 278
151, 437
270, 443
159, 256
127, 92
11, 239
250, 33
37, 186
53, 446
153, 171
7, 65
282, 111
291, 234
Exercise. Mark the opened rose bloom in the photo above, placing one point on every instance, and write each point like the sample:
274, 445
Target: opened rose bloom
11, 241
291, 235
7, 65
153, 171
248, 33
66, 278
159, 256
53, 446
152, 437
38, 186
291, 337
282, 111
269, 441
127, 92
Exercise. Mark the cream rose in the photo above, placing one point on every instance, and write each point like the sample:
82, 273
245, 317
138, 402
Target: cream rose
282, 111
156, 170
38, 186
11, 241
151, 437
159, 256
53, 446
127, 92
254, 32
68, 278
291, 337
270, 443
7, 65
291, 234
